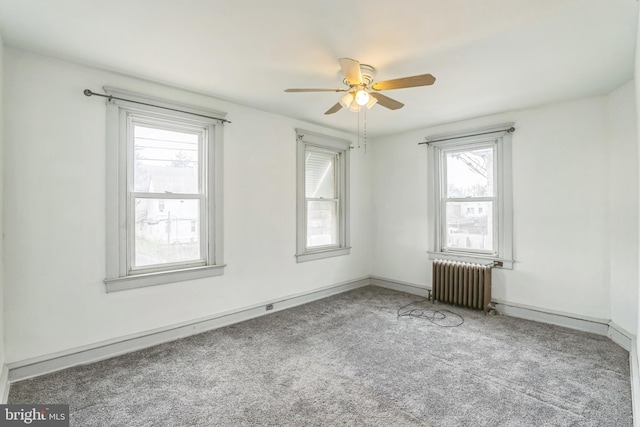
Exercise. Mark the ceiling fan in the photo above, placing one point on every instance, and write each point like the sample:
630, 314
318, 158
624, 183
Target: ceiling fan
362, 91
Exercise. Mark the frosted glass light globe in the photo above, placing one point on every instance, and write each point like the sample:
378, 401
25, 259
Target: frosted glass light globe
362, 97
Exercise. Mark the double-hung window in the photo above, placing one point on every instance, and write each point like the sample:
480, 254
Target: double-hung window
164, 192
470, 211
322, 199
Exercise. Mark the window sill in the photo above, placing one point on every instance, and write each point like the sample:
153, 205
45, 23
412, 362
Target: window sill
327, 253
160, 278
507, 264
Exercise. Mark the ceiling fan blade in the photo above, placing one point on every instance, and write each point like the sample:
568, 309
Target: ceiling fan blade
401, 83
333, 109
316, 90
387, 102
351, 70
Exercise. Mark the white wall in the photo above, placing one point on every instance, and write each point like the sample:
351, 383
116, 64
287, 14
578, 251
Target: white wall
562, 209
623, 206
55, 227
636, 75
2, 323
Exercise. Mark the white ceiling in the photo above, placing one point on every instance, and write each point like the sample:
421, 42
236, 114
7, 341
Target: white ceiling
488, 56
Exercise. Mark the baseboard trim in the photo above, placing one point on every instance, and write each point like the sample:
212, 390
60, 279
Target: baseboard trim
25, 369
4, 385
572, 321
610, 329
396, 285
634, 369
620, 336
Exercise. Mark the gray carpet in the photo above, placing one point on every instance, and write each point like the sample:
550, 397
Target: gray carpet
348, 360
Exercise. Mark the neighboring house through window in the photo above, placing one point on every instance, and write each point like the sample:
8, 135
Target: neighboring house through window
470, 211
164, 192
323, 196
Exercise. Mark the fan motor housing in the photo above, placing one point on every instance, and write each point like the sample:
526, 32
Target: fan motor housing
368, 73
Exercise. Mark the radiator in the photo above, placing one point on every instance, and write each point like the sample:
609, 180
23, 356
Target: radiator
461, 283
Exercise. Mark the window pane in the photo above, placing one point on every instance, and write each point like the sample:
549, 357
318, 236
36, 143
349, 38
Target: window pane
469, 225
168, 235
319, 175
164, 160
470, 173
322, 223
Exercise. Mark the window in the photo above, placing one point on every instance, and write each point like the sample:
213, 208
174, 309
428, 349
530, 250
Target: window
164, 183
323, 196
470, 210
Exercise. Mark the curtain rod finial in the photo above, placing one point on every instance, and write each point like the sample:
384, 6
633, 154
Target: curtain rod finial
87, 92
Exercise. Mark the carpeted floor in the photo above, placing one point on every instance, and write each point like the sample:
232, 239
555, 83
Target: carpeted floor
349, 360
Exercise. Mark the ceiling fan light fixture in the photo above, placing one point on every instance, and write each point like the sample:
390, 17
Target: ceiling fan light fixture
361, 87
346, 100
362, 97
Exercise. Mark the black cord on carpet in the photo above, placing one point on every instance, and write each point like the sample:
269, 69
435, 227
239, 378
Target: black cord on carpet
444, 318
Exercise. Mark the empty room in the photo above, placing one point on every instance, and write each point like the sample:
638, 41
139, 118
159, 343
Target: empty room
319, 213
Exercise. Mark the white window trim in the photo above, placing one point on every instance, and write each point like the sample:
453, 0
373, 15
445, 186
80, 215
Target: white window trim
435, 144
118, 276
341, 147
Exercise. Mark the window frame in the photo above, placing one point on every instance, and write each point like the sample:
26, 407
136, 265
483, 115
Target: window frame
120, 217
445, 199
438, 146
307, 140
201, 195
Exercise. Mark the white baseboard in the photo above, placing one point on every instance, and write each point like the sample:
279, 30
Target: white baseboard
572, 321
4, 384
396, 285
635, 382
99, 351
620, 336
610, 329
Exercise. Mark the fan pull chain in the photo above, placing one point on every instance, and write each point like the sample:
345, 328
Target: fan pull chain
363, 112
358, 128
365, 131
